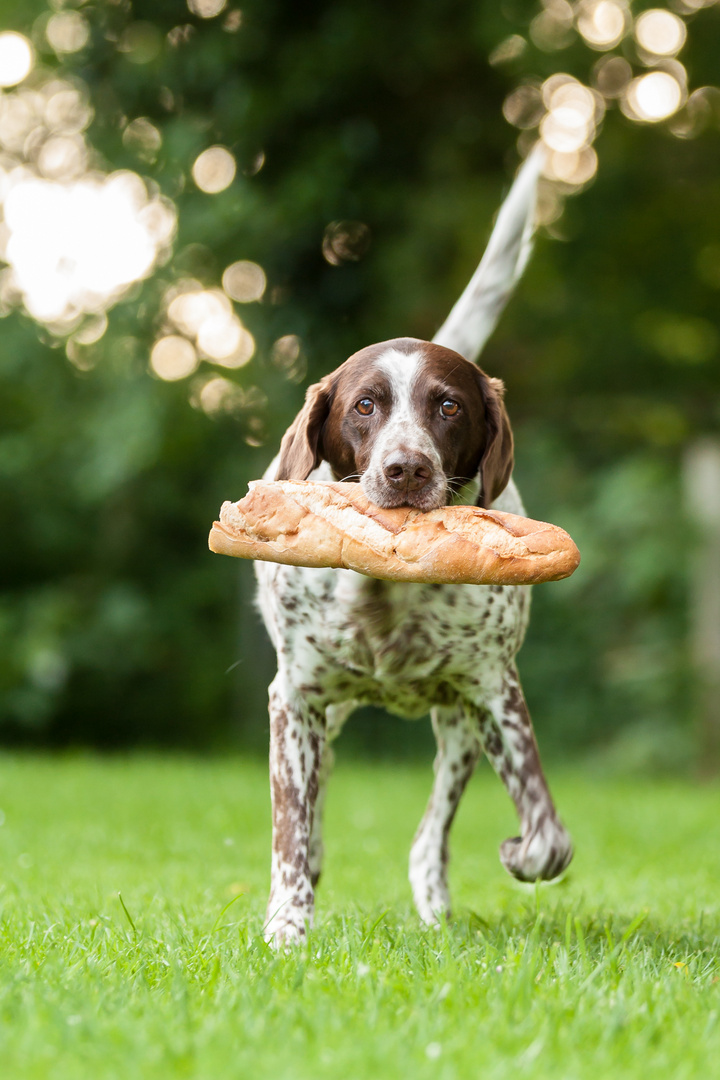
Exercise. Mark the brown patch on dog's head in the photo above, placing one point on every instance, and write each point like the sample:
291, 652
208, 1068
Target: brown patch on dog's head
408, 374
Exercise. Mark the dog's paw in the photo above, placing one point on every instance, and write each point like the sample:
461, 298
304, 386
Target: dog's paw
430, 891
540, 856
288, 927
433, 905
285, 936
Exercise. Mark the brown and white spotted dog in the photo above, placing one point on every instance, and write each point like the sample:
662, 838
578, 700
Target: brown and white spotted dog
416, 424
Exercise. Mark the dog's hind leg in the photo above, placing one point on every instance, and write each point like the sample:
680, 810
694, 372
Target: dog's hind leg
544, 848
458, 750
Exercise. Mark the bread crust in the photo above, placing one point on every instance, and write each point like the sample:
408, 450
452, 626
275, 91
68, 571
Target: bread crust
303, 523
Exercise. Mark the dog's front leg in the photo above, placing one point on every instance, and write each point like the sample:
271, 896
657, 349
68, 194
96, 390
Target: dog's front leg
544, 849
297, 736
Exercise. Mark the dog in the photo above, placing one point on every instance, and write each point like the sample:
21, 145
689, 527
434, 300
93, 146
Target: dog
417, 424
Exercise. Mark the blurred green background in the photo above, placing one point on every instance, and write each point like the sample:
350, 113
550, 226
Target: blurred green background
117, 627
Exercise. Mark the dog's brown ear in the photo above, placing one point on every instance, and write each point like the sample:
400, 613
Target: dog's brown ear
496, 463
301, 449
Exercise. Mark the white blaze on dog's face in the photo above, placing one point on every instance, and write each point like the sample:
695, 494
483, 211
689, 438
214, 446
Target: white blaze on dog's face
412, 421
404, 466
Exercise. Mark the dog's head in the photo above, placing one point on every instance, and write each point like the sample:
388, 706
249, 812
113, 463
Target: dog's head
412, 421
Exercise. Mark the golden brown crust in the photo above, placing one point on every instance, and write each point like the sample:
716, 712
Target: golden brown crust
320, 524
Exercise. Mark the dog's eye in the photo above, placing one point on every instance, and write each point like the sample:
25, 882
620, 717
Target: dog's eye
449, 407
365, 406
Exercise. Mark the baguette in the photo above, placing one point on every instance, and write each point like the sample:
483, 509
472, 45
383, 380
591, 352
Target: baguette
335, 525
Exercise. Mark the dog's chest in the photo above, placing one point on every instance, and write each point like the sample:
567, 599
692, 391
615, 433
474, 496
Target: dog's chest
400, 645
412, 630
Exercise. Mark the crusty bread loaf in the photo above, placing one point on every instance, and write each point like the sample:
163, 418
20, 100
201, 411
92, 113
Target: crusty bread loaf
328, 524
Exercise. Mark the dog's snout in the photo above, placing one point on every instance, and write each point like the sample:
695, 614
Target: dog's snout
407, 471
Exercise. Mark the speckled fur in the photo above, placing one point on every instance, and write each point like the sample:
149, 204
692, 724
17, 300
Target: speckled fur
344, 640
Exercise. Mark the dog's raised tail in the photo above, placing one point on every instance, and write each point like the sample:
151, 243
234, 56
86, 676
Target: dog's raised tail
474, 316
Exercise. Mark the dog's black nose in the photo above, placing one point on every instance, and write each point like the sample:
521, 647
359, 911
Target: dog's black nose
407, 470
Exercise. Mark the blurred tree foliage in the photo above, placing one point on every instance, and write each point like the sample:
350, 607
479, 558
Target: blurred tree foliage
117, 627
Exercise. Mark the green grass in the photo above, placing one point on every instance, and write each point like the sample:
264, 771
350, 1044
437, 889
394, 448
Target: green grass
612, 973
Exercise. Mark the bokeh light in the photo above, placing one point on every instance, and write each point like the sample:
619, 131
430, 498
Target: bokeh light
244, 281
207, 316
660, 33
217, 395
206, 9
173, 357
214, 170
91, 330
564, 91
653, 97
62, 157
569, 124
142, 137
287, 356
611, 75
689, 7
16, 58
602, 23
255, 164
569, 114
75, 238
524, 107
220, 337
565, 130
189, 306
76, 247
232, 21
66, 107
345, 241
82, 359
573, 168
701, 110
241, 354
509, 49
67, 32
286, 350
552, 28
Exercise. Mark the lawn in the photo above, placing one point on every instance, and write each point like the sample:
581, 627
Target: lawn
614, 972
